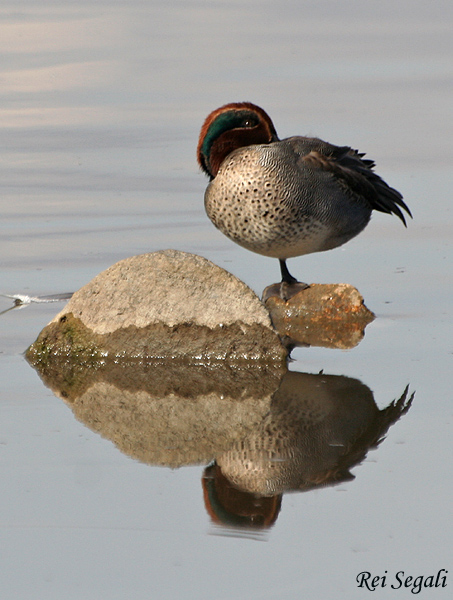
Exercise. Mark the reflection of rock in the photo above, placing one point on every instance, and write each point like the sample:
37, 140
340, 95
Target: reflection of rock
165, 413
329, 315
167, 303
319, 427
171, 431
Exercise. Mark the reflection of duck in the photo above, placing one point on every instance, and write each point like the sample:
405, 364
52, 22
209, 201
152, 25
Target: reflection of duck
318, 428
285, 198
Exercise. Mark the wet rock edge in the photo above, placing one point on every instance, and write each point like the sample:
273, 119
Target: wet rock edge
69, 338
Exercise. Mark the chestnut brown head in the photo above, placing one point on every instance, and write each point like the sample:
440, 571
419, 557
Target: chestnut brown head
230, 127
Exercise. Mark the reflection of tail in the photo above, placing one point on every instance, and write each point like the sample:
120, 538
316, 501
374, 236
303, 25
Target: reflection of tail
393, 412
375, 434
227, 505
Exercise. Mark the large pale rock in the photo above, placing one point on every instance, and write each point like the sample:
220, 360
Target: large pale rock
163, 305
169, 287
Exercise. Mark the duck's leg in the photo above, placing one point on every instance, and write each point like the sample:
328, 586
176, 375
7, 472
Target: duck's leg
288, 287
286, 275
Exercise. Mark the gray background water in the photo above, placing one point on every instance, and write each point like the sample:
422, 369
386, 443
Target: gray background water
101, 105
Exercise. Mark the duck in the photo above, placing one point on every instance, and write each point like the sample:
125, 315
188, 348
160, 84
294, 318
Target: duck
288, 197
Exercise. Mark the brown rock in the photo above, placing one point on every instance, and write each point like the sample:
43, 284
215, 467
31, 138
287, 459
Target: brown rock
329, 315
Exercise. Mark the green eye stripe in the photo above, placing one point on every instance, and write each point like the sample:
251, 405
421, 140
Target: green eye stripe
225, 122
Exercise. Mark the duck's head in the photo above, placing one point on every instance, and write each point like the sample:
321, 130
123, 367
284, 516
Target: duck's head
229, 127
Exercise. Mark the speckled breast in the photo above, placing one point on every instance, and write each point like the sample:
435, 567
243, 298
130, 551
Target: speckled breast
261, 200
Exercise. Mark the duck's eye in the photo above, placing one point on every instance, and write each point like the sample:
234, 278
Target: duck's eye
248, 122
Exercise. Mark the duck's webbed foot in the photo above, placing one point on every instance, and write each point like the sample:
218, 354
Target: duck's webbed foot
288, 288
284, 290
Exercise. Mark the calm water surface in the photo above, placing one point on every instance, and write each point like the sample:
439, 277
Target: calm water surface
101, 105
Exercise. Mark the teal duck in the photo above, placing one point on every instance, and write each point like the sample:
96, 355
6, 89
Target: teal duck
289, 197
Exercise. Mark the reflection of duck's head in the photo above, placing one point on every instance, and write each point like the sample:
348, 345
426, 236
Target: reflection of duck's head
227, 505
284, 198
